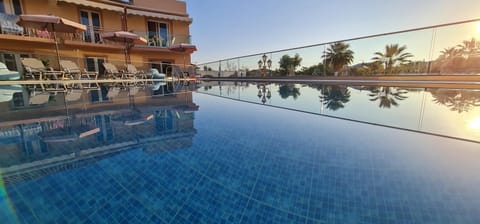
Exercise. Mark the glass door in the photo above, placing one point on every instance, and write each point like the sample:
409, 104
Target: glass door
157, 34
11, 7
92, 21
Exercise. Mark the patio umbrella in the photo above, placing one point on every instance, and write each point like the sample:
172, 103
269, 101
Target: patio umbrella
125, 37
185, 49
52, 24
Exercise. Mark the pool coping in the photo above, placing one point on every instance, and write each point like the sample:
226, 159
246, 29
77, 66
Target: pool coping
430, 81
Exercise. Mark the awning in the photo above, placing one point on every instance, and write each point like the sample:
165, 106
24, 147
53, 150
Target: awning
94, 5
129, 11
158, 15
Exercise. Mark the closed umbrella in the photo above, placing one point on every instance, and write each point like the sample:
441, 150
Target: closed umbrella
185, 49
52, 24
125, 37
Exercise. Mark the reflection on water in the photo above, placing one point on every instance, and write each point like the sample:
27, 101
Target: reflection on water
439, 111
457, 100
287, 90
45, 130
37, 124
334, 97
387, 96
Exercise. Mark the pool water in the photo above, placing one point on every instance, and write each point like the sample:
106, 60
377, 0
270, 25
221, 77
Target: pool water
193, 157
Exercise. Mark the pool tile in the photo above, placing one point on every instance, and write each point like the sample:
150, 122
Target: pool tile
284, 184
257, 212
211, 202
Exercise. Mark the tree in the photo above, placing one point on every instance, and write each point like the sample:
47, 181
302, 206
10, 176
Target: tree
312, 70
289, 64
450, 52
393, 56
463, 58
469, 47
338, 55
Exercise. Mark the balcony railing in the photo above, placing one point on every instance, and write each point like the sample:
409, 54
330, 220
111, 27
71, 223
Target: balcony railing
91, 35
445, 49
155, 40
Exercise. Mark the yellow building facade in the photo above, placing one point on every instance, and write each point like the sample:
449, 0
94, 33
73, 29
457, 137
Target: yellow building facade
163, 23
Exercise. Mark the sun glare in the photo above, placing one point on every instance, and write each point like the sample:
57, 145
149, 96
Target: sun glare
475, 123
478, 28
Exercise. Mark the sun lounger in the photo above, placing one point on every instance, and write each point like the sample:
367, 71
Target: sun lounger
112, 72
137, 73
67, 134
113, 92
73, 95
133, 90
41, 98
72, 70
37, 71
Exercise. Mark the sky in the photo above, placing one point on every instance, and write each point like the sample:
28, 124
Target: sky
230, 28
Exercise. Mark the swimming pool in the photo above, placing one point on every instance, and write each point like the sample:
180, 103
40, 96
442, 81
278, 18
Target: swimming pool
194, 157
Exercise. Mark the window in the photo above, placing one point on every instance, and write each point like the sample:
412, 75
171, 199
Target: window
2, 7
9, 60
157, 34
92, 21
94, 64
11, 7
17, 7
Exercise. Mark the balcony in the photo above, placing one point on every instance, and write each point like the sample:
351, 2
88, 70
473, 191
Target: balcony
90, 38
155, 40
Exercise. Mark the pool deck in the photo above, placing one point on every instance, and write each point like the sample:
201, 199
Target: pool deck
431, 81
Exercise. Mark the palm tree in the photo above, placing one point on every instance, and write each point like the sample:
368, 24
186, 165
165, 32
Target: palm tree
388, 96
392, 56
450, 52
469, 47
338, 55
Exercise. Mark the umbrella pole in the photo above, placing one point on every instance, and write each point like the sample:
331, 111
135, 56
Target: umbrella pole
56, 47
127, 59
184, 65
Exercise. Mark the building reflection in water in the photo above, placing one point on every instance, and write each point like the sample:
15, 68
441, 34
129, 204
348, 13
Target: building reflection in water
83, 124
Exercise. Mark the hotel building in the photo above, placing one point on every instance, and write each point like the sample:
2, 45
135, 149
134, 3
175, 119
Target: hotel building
163, 23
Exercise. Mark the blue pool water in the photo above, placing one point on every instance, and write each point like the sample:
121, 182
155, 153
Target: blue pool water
198, 158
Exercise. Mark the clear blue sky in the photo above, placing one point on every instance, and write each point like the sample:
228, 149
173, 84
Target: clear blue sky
230, 28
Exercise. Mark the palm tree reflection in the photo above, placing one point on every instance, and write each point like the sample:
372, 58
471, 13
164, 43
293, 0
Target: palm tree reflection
286, 90
456, 100
388, 96
334, 97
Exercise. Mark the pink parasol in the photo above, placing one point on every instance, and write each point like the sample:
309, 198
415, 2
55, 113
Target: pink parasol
126, 38
52, 24
184, 48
